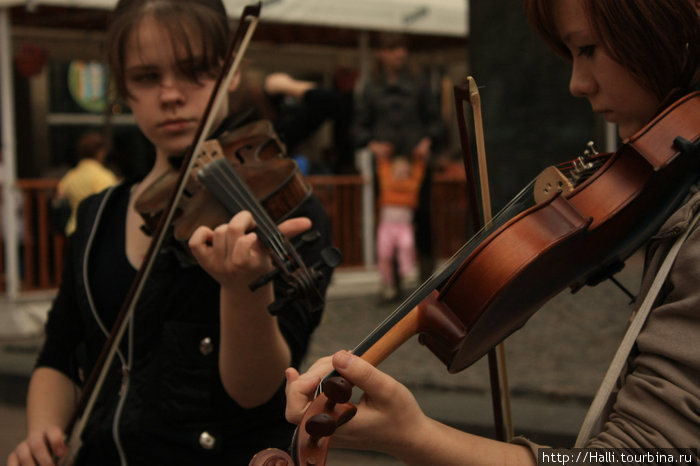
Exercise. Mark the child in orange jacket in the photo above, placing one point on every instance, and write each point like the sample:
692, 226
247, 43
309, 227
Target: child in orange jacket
399, 183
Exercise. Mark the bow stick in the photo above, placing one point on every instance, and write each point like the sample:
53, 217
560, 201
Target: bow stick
496, 356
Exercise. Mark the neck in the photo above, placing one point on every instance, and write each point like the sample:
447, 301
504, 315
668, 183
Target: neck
160, 166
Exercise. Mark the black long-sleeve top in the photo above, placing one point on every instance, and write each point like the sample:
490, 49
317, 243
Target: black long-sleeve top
172, 407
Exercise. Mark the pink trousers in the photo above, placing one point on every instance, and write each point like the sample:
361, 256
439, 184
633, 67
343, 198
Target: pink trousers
395, 237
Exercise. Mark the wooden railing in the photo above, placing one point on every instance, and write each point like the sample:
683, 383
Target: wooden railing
40, 245
41, 254
341, 197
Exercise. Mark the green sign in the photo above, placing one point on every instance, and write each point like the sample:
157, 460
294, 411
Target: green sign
87, 82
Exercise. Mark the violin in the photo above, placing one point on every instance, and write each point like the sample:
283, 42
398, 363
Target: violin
245, 168
176, 205
567, 228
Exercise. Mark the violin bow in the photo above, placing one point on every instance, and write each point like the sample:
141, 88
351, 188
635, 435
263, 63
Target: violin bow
239, 44
496, 357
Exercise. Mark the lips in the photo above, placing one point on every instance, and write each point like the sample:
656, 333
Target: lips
605, 112
176, 125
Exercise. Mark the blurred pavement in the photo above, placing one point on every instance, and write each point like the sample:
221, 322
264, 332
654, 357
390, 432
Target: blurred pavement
554, 364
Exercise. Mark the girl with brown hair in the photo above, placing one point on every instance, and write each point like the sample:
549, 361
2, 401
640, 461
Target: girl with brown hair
199, 374
630, 59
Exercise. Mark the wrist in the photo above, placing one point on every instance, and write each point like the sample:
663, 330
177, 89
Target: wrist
416, 443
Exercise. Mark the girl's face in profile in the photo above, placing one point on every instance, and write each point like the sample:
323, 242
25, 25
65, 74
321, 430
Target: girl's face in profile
609, 87
167, 103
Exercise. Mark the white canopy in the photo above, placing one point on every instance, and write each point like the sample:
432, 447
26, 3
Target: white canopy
434, 17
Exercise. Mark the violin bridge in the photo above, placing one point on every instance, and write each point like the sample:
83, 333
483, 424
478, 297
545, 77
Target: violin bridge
550, 182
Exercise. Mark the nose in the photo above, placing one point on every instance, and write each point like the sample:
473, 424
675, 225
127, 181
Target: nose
582, 82
171, 92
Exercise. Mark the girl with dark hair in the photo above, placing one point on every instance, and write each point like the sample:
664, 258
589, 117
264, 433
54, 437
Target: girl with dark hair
199, 375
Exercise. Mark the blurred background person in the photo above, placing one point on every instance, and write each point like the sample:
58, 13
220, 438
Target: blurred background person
89, 176
397, 113
399, 179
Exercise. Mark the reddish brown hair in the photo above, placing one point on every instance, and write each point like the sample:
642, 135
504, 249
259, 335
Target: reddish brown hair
657, 40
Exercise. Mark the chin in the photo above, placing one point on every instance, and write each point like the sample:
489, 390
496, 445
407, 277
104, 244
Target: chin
626, 131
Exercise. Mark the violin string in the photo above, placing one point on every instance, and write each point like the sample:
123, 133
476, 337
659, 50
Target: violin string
516, 205
239, 197
230, 182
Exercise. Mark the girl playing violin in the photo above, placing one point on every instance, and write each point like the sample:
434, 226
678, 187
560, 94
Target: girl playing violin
630, 58
198, 378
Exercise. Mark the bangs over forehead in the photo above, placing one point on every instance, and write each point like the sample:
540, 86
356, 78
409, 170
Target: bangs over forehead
199, 34
540, 14
658, 41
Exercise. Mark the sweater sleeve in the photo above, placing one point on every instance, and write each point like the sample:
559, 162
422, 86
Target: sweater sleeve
63, 328
658, 403
658, 400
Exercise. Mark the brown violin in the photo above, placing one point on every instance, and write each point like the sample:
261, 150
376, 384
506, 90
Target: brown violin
567, 229
245, 168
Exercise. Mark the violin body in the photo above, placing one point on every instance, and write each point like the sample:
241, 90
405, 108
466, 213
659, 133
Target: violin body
259, 157
245, 169
578, 238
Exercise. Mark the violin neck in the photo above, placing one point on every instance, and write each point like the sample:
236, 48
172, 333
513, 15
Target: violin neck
385, 341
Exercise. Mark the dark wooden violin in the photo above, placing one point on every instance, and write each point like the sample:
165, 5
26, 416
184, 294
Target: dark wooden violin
245, 168
210, 186
569, 228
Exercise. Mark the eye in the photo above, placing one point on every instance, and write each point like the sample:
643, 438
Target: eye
147, 77
586, 51
194, 69
196, 74
144, 77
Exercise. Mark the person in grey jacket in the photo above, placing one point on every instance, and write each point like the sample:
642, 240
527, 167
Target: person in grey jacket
397, 114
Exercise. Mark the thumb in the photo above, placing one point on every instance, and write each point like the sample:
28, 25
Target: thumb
362, 374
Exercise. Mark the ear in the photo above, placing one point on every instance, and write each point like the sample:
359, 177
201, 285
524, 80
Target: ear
237, 80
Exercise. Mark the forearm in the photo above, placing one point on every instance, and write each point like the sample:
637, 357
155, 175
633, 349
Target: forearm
51, 399
436, 443
254, 353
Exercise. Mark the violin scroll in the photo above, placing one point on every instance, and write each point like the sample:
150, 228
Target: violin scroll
271, 457
329, 410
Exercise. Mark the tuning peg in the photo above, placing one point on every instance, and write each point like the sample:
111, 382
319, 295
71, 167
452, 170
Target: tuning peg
291, 293
308, 237
337, 409
337, 389
320, 425
264, 279
330, 257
